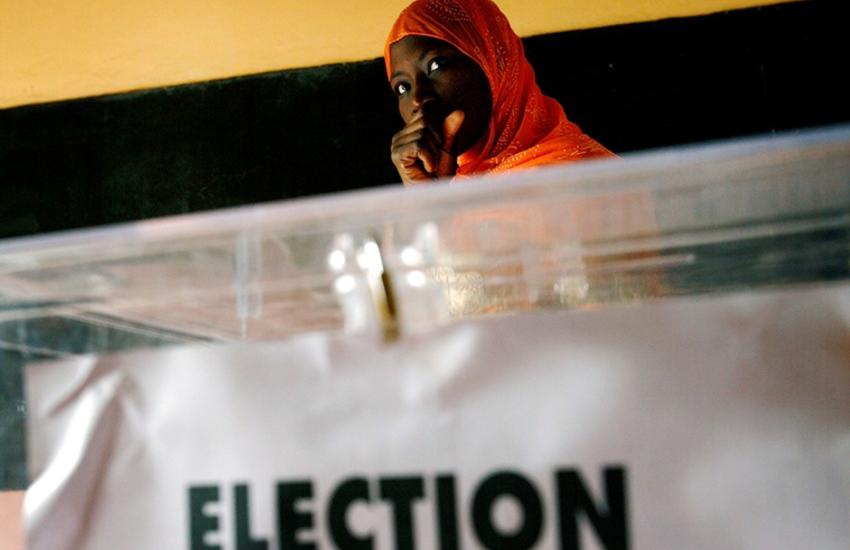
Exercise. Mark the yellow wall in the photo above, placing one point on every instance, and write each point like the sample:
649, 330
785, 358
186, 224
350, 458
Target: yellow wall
60, 49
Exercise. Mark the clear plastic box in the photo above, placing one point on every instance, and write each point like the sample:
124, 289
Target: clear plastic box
389, 262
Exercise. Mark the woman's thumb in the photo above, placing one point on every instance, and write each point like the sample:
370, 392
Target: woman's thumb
451, 126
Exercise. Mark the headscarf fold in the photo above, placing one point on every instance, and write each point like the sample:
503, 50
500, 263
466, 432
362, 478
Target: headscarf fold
526, 127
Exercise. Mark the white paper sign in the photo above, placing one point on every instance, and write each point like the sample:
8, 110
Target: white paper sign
710, 423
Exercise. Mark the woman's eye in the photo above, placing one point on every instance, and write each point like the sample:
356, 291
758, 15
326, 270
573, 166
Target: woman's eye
401, 88
435, 64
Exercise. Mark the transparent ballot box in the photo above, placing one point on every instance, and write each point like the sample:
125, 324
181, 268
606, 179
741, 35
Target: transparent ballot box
397, 265
732, 216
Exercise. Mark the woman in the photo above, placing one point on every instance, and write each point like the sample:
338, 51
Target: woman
468, 96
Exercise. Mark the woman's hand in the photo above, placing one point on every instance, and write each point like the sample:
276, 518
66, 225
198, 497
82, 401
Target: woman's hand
422, 153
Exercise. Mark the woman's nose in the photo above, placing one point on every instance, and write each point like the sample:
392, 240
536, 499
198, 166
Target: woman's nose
423, 93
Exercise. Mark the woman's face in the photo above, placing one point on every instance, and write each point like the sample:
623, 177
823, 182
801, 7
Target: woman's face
432, 77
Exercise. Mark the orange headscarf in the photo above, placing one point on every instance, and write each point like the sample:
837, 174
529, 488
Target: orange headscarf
526, 128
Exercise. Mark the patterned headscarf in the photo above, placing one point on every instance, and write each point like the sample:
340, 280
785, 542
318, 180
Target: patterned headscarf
526, 127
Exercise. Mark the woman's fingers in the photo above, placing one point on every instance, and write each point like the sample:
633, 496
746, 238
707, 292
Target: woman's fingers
418, 128
447, 161
415, 151
451, 127
415, 155
421, 152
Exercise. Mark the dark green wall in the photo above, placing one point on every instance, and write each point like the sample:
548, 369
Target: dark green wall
303, 132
